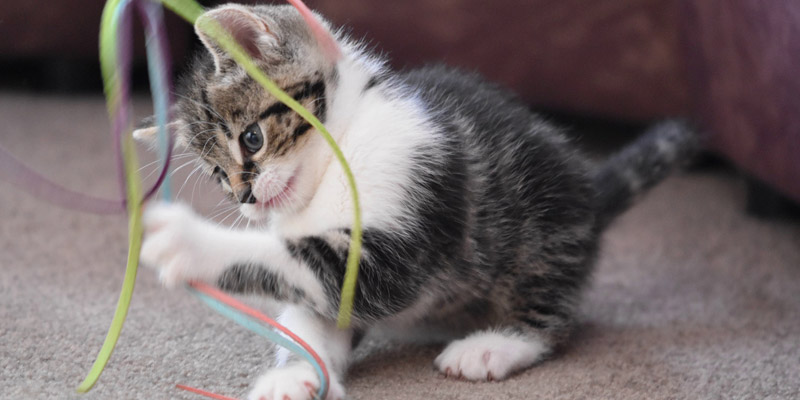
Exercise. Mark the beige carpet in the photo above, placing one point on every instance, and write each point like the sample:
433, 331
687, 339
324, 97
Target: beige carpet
691, 299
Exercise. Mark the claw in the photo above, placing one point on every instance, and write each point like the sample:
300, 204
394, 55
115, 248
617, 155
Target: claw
311, 389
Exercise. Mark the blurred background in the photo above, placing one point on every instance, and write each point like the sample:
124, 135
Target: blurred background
609, 66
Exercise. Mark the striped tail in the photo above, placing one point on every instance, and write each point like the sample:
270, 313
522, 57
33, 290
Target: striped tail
640, 165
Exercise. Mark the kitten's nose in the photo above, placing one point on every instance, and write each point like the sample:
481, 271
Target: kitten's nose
247, 197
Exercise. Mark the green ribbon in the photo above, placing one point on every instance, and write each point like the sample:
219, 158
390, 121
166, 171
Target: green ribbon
191, 11
108, 57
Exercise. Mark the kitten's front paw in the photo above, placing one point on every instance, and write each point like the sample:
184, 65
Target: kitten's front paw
489, 356
177, 244
293, 382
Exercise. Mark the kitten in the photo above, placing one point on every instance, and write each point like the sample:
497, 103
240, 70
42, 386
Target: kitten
481, 221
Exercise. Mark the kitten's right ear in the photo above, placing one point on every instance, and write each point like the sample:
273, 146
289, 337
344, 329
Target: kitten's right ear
246, 28
324, 38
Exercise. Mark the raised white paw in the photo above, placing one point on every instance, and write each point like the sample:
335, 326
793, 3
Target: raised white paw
178, 244
489, 356
297, 381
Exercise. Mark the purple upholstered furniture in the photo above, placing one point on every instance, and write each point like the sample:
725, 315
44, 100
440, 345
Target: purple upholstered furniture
732, 64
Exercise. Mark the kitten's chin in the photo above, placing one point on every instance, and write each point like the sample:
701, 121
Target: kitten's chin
254, 212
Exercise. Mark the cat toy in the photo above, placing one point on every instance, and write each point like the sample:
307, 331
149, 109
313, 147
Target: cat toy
115, 60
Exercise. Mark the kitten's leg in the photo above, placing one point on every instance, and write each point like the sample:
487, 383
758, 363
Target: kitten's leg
525, 332
184, 247
294, 378
492, 354
180, 245
534, 318
307, 272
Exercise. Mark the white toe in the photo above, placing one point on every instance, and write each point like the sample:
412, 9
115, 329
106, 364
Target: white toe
489, 356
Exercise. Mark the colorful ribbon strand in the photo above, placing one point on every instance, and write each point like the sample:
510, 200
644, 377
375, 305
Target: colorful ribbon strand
239, 313
191, 11
115, 63
115, 66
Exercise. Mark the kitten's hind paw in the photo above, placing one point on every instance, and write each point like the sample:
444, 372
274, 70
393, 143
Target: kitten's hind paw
293, 382
488, 356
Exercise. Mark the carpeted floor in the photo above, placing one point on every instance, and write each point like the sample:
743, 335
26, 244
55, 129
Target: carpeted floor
691, 298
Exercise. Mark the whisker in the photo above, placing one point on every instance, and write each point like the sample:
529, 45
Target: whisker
180, 167
239, 218
199, 133
203, 106
227, 209
218, 204
196, 182
197, 168
201, 123
229, 213
154, 170
203, 152
245, 173
224, 219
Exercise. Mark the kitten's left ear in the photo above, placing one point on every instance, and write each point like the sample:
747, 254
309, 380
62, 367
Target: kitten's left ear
148, 131
246, 28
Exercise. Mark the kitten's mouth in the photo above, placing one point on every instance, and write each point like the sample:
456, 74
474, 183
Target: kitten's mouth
279, 196
279, 199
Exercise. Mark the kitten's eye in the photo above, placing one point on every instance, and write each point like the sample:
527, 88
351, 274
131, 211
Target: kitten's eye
252, 139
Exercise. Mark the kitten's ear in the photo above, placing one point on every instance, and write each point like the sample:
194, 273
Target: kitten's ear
250, 31
326, 41
147, 131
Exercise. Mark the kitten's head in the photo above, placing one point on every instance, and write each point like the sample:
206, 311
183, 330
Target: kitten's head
256, 147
